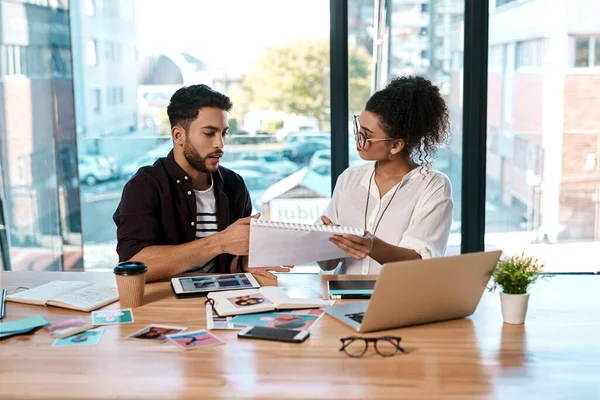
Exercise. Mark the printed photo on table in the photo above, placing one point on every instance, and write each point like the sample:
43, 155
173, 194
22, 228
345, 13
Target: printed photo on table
87, 338
249, 300
111, 317
157, 333
196, 339
282, 320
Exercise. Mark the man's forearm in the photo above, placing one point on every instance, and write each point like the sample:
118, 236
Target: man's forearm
384, 252
167, 261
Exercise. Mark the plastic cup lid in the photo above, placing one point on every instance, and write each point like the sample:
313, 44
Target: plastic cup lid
130, 268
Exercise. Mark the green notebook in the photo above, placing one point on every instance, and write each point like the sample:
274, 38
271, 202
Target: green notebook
21, 326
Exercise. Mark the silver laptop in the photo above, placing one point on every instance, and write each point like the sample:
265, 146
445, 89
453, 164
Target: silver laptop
421, 291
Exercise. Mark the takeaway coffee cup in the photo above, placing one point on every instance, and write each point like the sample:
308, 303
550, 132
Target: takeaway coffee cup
131, 279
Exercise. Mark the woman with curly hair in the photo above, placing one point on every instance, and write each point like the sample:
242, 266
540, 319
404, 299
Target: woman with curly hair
399, 200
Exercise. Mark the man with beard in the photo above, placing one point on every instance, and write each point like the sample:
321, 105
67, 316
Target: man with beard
186, 212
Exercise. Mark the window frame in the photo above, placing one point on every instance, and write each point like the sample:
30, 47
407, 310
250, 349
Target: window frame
593, 52
89, 62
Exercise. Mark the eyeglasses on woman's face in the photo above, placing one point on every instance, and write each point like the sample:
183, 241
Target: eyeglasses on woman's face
362, 139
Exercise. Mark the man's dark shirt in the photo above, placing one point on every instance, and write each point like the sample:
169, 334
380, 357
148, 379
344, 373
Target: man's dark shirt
158, 207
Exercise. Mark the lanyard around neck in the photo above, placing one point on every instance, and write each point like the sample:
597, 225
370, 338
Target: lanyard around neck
386, 207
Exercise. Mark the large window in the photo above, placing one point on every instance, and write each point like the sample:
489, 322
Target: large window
39, 190
83, 107
543, 182
424, 38
274, 66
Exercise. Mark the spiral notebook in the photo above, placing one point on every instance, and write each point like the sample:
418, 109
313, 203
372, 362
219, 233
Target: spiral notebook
274, 243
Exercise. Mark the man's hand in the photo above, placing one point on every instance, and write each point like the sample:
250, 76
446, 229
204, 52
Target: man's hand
236, 237
264, 271
357, 247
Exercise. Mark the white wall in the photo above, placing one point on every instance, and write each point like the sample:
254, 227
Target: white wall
583, 17
528, 20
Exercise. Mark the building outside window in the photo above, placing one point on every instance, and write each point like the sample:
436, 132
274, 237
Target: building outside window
92, 52
542, 184
96, 100
90, 7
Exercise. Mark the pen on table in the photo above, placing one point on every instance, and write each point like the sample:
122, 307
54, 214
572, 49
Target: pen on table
3, 304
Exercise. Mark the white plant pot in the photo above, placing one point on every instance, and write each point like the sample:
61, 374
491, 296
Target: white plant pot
514, 307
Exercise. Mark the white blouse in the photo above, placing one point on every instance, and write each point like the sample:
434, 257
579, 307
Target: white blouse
418, 218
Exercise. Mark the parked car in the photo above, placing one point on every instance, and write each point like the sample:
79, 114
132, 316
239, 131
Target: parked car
259, 138
319, 159
131, 168
320, 162
255, 180
307, 136
257, 184
114, 167
265, 170
94, 169
148, 158
275, 161
301, 152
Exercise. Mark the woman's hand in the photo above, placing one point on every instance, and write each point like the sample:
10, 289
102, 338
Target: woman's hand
263, 271
327, 221
331, 264
357, 247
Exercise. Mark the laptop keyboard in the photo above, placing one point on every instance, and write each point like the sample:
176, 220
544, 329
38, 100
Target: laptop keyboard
358, 317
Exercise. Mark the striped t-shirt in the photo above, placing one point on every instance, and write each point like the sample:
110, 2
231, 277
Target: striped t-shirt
206, 221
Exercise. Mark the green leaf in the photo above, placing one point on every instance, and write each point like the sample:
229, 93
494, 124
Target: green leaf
515, 274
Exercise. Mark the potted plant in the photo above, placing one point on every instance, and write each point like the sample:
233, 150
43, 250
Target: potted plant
514, 275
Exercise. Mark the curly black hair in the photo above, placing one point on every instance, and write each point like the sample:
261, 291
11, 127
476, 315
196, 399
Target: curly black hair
187, 102
411, 108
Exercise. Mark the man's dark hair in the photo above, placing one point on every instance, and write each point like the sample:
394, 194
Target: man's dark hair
411, 108
187, 101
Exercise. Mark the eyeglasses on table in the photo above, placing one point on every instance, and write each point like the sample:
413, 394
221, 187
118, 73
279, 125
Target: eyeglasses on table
385, 346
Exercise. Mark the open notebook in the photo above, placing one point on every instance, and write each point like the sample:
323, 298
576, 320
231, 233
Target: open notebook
76, 295
275, 243
267, 298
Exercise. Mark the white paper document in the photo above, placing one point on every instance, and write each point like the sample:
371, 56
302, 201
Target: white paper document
281, 243
75, 295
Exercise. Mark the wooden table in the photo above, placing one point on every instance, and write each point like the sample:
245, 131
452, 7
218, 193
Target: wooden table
556, 354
